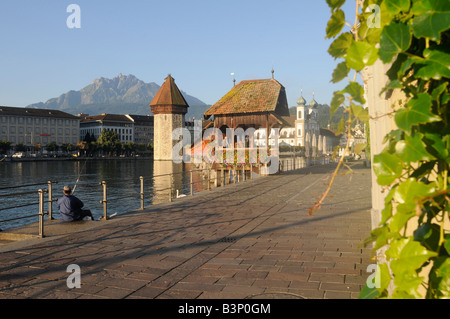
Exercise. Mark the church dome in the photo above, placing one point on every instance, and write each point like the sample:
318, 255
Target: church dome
313, 103
301, 100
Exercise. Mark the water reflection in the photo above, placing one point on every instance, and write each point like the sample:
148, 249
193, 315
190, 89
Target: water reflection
122, 178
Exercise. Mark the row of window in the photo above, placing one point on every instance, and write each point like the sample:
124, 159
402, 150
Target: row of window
39, 139
37, 120
37, 130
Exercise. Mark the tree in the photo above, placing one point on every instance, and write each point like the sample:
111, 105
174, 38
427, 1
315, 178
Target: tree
413, 37
20, 147
67, 147
109, 141
5, 146
52, 147
129, 148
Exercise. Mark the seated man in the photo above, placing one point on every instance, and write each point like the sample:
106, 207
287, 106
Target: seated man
70, 207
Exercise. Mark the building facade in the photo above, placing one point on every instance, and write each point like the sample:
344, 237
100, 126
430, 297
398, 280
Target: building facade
143, 128
95, 124
32, 127
130, 128
303, 130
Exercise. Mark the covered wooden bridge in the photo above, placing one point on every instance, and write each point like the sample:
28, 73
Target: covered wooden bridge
250, 104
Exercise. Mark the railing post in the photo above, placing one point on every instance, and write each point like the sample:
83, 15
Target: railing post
216, 179
192, 189
50, 200
251, 171
209, 177
142, 192
41, 213
170, 188
104, 201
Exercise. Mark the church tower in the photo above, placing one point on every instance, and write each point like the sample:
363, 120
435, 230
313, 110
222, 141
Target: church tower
169, 108
301, 121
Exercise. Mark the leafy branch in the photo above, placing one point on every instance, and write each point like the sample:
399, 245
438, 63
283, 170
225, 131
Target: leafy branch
413, 37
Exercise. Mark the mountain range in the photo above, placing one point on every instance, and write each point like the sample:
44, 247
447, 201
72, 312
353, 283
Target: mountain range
123, 94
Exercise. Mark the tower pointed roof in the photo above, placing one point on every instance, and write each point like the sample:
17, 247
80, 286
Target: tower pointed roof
169, 94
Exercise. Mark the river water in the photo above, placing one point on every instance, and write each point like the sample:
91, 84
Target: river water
121, 175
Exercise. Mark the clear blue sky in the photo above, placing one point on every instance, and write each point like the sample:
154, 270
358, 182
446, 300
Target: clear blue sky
200, 42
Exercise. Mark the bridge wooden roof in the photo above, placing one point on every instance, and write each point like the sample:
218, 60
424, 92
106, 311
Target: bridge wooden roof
253, 96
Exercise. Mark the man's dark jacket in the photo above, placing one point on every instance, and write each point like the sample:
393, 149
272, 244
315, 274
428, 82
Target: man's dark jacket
70, 208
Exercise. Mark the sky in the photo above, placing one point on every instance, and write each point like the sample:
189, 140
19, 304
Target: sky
199, 42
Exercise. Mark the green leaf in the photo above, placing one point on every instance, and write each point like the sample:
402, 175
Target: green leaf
437, 146
431, 18
400, 294
386, 213
387, 167
356, 91
340, 46
395, 38
361, 54
418, 111
435, 66
440, 277
429, 235
359, 148
381, 236
360, 113
409, 192
385, 276
412, 149
400, 219
392, 85
335, 4
407, 255
395, 6
337, 100
407, 285
335, 24
410, 189
380, 282
340, 72
438, 91
447, 245
368, 293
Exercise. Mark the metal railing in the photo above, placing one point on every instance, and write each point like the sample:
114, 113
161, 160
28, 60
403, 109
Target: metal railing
40, 203
228, 176
223, 176
297, 162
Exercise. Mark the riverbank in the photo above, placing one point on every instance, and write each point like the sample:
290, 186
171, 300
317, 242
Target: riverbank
50, 159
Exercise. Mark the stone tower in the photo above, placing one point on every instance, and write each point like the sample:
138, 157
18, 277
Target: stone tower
300, 121
169, 108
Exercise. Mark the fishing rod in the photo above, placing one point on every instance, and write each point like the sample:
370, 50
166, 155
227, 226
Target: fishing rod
79, 176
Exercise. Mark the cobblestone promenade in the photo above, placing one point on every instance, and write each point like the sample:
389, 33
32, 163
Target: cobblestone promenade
249, 240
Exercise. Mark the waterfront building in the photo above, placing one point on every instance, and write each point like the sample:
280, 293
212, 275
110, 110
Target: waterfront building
302, 129
32, 127
95, 124
143, 128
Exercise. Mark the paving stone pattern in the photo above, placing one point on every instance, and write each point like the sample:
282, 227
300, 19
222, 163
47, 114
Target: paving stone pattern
249, 240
